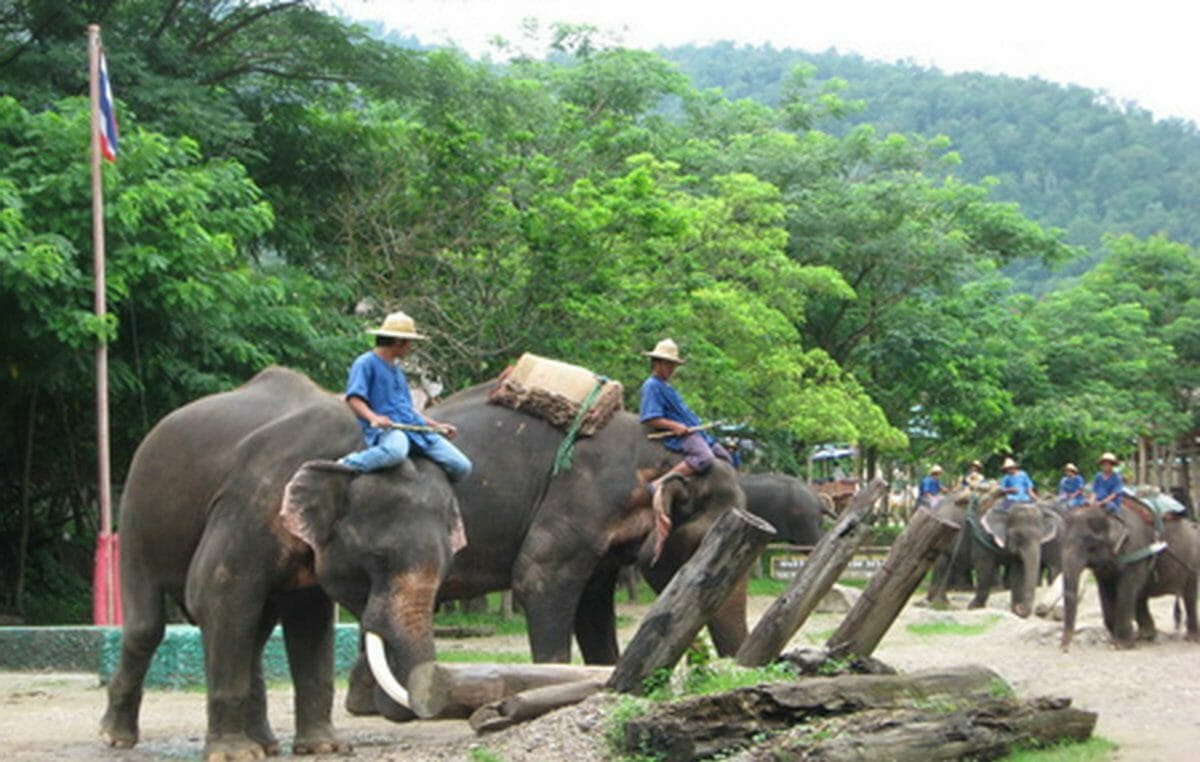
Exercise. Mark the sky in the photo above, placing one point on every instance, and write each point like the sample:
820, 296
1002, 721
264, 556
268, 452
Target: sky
1145, 51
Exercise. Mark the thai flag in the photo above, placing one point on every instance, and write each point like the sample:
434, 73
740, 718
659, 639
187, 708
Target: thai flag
108, 116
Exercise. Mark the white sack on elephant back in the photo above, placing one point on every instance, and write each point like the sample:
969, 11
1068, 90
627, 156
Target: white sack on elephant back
554, 391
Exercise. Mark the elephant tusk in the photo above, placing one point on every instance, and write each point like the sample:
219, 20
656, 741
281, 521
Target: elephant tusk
377, 661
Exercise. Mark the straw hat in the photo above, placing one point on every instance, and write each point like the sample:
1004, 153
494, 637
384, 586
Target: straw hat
976, 464
665, 350
398, 325
1009, 463
1071, 467
936, 469
1109, 457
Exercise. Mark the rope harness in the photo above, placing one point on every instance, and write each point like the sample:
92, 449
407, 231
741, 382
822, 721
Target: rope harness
566, 450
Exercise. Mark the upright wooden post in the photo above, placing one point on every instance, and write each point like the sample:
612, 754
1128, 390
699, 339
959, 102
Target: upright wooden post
913, 552
822, 569
691, 597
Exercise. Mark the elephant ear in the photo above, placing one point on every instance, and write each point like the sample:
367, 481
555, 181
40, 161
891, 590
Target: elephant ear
1052, 524
312, 499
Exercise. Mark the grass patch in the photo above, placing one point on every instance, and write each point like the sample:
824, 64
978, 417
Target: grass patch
483, 754
514, 625
953, 628
475, 657
766, 586
1095, 749
818, 637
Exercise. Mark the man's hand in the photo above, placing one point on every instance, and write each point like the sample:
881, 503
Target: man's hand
448, 430
379, 421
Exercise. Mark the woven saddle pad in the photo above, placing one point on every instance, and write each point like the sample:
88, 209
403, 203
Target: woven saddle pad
554, 391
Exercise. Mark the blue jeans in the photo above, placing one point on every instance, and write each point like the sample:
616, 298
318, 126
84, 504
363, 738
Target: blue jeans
393, 447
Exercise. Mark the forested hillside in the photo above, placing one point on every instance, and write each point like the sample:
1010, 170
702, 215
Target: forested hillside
285, 179
1071, 157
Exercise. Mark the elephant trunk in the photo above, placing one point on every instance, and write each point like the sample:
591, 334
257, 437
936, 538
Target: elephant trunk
399, 635
1072, 571
1025, 584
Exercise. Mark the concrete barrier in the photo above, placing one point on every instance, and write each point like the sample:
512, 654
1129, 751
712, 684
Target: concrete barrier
178, 662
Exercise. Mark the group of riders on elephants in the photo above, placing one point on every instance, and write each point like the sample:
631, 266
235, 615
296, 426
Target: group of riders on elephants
1018, 487
265, 505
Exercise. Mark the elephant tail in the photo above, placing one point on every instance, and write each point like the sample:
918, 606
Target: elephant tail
1178, 611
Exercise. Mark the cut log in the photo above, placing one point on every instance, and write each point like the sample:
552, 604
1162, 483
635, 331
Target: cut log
442, 690
913, 552
987, 730
820, 571
696, 591
706, 725
530, 704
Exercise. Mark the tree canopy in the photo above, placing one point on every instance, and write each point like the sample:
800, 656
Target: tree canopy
834, 273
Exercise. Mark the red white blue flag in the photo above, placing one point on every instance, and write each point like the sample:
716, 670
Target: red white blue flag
108, 116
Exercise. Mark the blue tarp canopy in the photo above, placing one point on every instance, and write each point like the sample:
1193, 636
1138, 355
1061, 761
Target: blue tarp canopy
832, 452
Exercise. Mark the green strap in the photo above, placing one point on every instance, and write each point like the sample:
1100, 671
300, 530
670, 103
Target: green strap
562, 458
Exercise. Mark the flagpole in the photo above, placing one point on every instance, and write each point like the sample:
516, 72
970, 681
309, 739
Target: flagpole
108, 613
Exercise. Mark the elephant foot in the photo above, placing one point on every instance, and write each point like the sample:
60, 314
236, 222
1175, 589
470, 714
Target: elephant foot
1021, 610
233, 748
117, 734
1192, 637
976, 604
319, 741
1123, 644
267, 740
360, 700
1147, 635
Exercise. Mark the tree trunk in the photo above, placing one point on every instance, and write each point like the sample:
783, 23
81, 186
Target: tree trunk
822, 569
696, 591
530, 704
913, 552
439, 689
707, 725
26, 511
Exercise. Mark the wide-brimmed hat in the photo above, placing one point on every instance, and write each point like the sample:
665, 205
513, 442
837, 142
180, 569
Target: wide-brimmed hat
1008, 463
935, 469
666, 350
1110, 458
1071, 467
976, 464
398, 325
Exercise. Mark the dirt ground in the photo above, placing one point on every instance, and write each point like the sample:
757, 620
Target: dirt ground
1147, 698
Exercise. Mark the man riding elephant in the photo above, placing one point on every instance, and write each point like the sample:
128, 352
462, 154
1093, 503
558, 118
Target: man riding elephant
1108, 486
663, 408
377, 391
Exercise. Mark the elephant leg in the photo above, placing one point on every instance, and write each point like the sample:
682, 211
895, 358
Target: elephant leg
940, 578
596, 618
552, 569
258, 726
1128, 588
308, 634
728, 625
145, 621
1107, 591
228, 605
985, 578
1145, 622
1189, 606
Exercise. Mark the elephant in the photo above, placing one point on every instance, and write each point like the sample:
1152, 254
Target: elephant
229, 510
1119, 548
558, 541
788, 504
1020, 538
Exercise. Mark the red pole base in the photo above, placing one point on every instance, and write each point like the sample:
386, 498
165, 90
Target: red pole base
106, 581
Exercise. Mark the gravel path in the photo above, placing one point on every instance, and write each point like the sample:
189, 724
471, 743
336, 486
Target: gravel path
1147, 698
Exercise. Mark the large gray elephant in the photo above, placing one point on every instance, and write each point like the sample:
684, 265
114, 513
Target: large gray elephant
224, 513
1018, 539
788, 504
1118, 548
558, 541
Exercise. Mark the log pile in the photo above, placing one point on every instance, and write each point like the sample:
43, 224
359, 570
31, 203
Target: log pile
947, 714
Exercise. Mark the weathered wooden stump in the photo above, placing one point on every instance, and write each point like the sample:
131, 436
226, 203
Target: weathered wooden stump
820, 571
696, 591
913, 552
871, 705
439, 689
